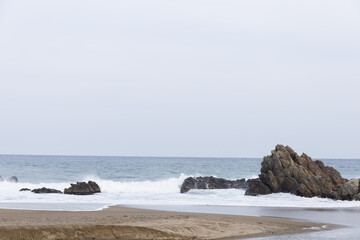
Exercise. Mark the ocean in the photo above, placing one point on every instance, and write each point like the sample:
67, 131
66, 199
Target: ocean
150, 181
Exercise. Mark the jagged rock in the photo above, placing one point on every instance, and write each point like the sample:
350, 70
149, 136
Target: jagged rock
45, 190
285, 171
83, 188
24, 189
256, 187
13, 179
211, 183
1, 180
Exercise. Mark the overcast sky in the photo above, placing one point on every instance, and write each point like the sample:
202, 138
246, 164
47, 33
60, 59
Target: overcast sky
180, 78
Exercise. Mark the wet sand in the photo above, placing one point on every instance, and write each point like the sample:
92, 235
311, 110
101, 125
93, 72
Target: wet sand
129, 223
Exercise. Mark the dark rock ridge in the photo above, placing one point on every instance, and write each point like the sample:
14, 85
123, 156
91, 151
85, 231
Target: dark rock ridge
80, 188
83, 188
45, 190
285, 171
211, 183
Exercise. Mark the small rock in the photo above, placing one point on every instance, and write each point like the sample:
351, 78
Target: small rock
24, 189
13, 179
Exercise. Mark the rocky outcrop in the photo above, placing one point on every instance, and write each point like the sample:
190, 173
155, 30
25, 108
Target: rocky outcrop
45, 190
83, 188
211, 183
285, 171
24, 189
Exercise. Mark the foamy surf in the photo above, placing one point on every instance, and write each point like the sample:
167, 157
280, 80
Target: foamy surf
158, 192
170, 185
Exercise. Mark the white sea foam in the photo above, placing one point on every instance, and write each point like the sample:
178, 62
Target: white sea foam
159, 192
171, 185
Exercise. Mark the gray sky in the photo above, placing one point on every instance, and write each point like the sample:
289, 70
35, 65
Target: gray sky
180, 78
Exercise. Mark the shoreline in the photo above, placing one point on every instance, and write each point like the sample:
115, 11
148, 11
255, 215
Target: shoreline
118, 222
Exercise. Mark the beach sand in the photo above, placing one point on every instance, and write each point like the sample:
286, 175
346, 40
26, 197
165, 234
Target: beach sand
129, 223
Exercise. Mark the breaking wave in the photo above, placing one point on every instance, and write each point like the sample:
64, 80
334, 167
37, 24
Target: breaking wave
156, 192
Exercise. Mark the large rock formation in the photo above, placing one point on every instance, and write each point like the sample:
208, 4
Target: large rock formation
45, 190
285, 171
211, 183
83, 188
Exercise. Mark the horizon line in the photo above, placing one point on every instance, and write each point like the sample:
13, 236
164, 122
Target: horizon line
153, 156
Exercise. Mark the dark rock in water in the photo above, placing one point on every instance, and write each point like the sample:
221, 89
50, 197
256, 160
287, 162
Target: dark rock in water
1, 180
45, 190
83, 188
257, 187
24, 189
13, 179
285, 171
211, 183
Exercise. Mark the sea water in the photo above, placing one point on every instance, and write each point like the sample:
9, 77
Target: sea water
144, 181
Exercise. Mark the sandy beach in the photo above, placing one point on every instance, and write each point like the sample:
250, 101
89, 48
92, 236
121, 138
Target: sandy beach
128, 223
